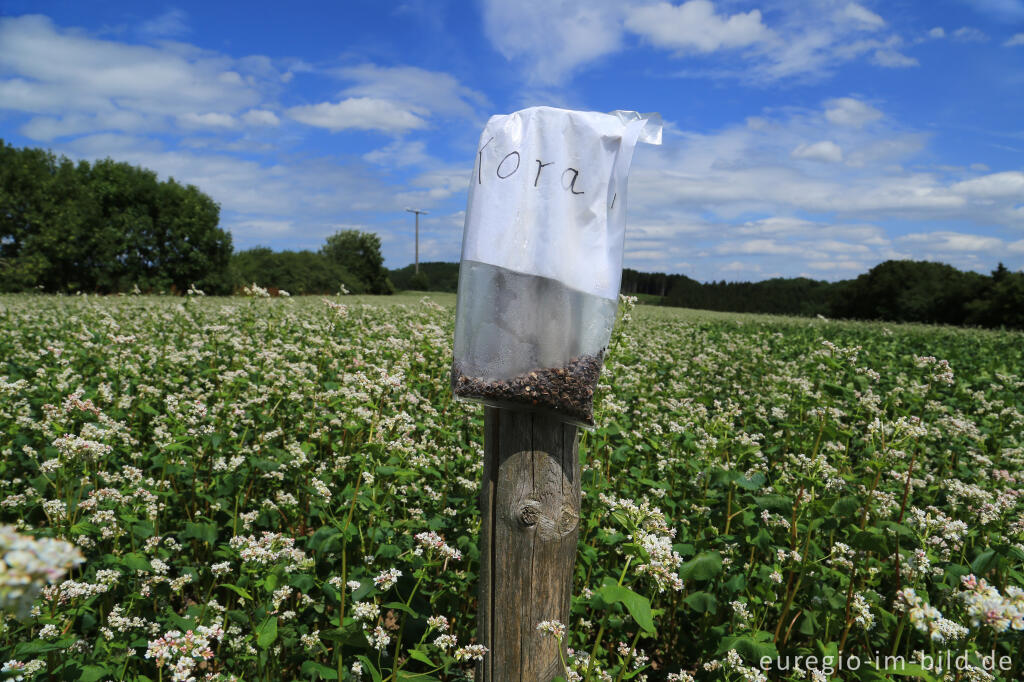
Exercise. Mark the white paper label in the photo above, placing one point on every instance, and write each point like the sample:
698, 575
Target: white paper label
548, 194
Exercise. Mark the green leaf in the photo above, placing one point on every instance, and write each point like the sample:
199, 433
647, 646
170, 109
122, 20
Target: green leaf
776, 502
419, 677
753, 483
206, 532
266, 633
421, 657
638, 606
982, 562
846, 506
704, 566
369, 667
38, 646
399, 606
701, 602
310, 668
871, 540
92, 673
241, 592
136, 562
749, 648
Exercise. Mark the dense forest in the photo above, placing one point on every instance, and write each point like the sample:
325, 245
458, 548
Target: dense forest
110, 227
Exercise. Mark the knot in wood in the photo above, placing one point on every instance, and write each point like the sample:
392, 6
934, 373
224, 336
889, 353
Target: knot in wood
529, 513
567, 520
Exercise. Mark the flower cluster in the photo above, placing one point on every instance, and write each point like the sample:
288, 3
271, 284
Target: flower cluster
183, 653
268, 549
27, 564
986, 605
432, 541
926, 618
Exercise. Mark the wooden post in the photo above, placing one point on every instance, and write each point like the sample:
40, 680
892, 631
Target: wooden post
529, 525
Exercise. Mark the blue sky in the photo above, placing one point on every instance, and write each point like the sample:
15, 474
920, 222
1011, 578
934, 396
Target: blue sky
812, 137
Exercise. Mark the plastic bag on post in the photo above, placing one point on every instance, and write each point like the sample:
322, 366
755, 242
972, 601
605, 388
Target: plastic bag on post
542, 257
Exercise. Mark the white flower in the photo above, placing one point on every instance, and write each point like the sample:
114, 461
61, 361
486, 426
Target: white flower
387, 579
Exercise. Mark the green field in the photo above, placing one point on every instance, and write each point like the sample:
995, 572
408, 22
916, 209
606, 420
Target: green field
253, 484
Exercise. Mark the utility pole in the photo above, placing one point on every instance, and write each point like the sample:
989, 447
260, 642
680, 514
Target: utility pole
417, 212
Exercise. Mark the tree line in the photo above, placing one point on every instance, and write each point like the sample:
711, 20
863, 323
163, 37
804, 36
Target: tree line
900, 291
108, 227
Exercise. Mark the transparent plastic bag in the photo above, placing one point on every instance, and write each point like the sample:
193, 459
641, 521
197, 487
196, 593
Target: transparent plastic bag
542, 257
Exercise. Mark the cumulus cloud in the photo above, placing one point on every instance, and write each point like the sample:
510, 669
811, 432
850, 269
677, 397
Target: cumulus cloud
553, 39
207, 120
937, 32
1005, 185
170, 24
74, 79
969, 34
893, 59
419, 89
359, 113
862, 16
847, 111
952, 242
260, 117
1017, 39
826, 150
747, 192
695, 26
1003, 9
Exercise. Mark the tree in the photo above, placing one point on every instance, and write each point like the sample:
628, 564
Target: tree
912, 291
104, 227
297, 272
359, 253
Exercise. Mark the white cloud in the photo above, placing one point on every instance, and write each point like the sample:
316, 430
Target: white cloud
756, 247
865, 18
360, 113
1017, 39
953, 242
400, 153
893, 59
1003, 9
739, 266
937, 32
260, 117
694, 26
826, 150
1005, 185
854, 266
47, 128
252, 231
969, 34
847, 111
78, 80
419, 89
172, 23
553, 39
102, 145
209, 120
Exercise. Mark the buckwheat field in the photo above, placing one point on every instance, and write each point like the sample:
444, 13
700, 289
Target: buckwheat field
284, 489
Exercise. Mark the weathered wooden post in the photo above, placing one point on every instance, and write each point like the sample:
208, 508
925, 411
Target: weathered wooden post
538, 294
529, 525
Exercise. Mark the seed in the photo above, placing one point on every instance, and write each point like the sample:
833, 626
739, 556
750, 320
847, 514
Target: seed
566, 391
